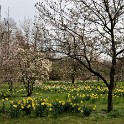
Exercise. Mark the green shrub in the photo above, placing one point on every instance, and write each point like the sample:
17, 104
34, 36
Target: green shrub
14, 111
57, 108
87, 110
41, 109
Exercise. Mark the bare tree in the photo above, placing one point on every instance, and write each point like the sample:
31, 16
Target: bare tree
87, 31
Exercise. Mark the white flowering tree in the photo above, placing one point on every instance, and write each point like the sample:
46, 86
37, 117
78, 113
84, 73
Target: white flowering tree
33, 66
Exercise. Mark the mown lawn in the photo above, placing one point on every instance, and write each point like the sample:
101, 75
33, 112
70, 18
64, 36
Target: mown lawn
63, 119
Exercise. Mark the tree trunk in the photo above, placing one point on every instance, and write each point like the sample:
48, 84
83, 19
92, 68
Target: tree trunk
73, 80
110, 99
31, 89
28, 89
32, 85
98, 79
10, 86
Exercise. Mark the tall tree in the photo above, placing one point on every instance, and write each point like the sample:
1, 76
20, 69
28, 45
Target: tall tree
7, 29
87, 31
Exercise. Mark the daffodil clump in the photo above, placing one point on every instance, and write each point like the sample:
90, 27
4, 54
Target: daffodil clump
15, 109
76, 96
42, 107
3, 109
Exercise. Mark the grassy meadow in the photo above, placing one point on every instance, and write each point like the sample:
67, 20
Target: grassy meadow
61, 103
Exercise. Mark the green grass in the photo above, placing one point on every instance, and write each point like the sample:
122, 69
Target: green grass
64, 119
57, 90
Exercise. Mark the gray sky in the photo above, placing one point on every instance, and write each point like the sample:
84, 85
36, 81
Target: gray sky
18, 9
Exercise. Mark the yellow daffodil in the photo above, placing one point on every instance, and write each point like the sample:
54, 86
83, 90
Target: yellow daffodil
15, 106
6, 99
29, 106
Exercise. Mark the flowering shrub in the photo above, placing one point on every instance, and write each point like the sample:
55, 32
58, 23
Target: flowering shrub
32, 66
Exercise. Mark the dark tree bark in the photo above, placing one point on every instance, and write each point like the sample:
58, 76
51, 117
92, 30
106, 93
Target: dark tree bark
10, 86
73, 79
110, 99
29, 88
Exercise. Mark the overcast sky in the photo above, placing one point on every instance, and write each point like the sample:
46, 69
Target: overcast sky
18, 9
